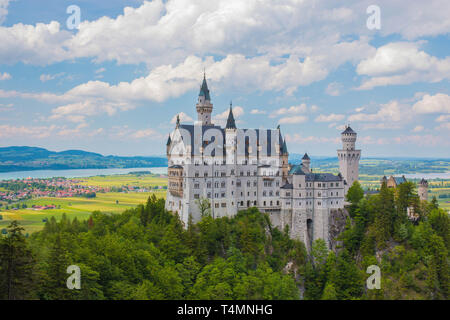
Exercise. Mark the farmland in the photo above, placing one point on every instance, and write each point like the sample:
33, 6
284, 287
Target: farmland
110, 202
128, 190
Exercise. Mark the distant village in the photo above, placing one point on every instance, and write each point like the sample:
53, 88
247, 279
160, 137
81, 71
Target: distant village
12, 191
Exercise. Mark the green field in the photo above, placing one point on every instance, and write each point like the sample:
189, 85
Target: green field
111, 202
115, 202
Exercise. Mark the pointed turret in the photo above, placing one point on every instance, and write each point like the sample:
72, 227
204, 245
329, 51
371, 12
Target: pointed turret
204, 91
204, 106
169, 141
306, 163
231, 124
284, 149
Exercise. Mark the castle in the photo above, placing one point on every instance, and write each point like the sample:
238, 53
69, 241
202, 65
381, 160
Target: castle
234, 169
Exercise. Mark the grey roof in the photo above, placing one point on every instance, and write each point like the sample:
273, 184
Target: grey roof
306, 157
231, 124
400, 180
176, 166
423, 181
326, 177
264, 166
287, 186
190, 128
204, 91
296, 169
348, 130
169, 141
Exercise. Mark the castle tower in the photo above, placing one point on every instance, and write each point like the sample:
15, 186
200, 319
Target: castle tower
306, 163
349, 157
423, 189
284, 157
204, 106
230, 138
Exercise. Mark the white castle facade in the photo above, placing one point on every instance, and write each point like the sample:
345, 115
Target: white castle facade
235, 169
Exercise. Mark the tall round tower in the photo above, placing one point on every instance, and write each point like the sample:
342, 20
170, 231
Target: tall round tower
423, 189
349, 157
204, 106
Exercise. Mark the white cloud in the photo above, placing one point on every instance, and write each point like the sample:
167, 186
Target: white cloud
418, 128
257, 111
390, 115
5, 76
146, 133
443, 126
439, 103
334, 89
293, 120
47, 77
298, 138
221, 118
330, 118
183, 118
100, 70
402, 63
298, 109
3, 10
443, 118
38, 132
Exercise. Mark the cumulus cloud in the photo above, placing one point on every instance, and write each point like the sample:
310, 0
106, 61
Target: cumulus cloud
183, 118
402, 63
257, 111
389, 115
334, 89
330, 118
3, 10
298, 138
47, 77
298, 109
5, 76
443, 118
438, 103
418, 128
221, 118
146, 133
293, 120
38, 132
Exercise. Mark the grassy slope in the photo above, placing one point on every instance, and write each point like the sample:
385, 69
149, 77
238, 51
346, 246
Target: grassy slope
82, 207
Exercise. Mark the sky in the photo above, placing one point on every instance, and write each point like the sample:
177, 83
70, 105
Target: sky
115, 82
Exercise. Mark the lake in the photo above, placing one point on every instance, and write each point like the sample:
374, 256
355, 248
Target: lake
75, 173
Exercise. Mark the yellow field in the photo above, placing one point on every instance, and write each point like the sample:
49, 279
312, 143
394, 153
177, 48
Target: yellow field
111, 202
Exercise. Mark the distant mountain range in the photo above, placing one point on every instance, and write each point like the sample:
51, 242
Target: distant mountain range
33, 158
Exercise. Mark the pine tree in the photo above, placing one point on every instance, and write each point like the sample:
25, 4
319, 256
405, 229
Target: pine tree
16, 265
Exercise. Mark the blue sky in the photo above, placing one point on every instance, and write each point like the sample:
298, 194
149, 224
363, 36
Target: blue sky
115, 84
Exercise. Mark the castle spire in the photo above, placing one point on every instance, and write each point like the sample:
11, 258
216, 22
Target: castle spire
204, 106
204, 91
231, 124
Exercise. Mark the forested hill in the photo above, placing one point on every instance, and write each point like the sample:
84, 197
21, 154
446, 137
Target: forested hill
33, 158
145, 253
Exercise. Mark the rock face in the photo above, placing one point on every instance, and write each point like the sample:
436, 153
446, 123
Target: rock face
336, 222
